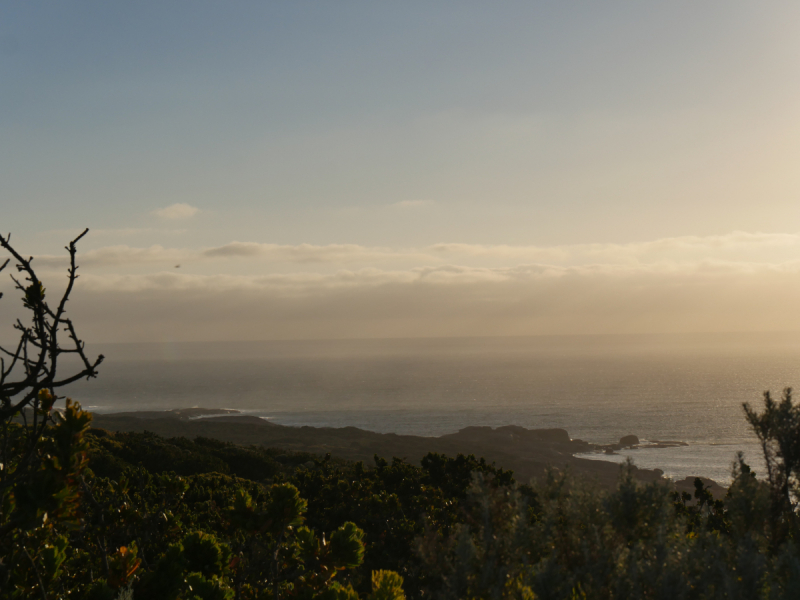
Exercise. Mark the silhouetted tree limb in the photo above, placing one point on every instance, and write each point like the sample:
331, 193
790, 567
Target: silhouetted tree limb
778, 431
29, 371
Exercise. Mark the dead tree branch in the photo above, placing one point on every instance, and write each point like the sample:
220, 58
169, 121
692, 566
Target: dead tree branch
29, 380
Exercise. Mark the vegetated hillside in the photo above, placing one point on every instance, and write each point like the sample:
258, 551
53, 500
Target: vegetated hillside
169, 519
393, 503
528, 452
459, 527
114, 452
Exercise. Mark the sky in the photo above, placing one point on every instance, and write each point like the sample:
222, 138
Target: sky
305, 170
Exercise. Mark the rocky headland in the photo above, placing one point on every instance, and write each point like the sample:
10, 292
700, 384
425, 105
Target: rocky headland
527, 452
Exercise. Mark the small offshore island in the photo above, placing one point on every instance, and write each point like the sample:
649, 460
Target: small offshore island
526, 452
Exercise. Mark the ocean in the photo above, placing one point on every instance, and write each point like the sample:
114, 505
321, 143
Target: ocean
687, 388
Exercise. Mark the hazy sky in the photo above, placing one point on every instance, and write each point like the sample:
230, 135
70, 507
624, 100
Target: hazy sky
351, 169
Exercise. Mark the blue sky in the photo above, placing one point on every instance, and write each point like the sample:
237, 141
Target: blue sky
397, 127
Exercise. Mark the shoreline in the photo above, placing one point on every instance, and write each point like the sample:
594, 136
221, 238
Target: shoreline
527, 452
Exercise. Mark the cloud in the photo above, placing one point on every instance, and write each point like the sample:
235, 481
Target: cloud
245, 290
301, 253
684, 248
410, 204
440, 301
735, 247
122, 255
118, 256
309, 283
177, 211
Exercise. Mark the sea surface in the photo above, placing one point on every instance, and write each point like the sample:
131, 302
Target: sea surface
598, 388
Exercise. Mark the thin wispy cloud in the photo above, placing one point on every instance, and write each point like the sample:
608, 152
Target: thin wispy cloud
306, 282
744, 247
119, 256
177, 211
301, 253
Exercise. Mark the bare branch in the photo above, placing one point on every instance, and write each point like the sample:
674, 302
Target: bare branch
32, 364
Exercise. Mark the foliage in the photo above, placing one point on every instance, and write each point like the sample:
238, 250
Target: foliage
41, 509
392, 503
32, 463
630, 542
636, 541
337, 530
41, 449
102, 516
65, 531
167, 537
778, 430
112, 453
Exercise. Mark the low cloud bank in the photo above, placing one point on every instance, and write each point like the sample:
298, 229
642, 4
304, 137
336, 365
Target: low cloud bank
737, 246
447, 301
241, 290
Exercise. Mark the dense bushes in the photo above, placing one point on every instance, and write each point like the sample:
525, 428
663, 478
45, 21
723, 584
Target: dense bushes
391, 503
93, 524
162, 536
116, 518
636, 541
111, 454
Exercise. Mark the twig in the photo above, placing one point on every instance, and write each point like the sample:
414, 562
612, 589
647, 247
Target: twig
36, 572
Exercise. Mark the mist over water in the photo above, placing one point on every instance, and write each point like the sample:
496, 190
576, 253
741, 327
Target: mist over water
599, 388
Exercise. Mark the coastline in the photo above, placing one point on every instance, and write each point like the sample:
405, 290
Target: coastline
527, 452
